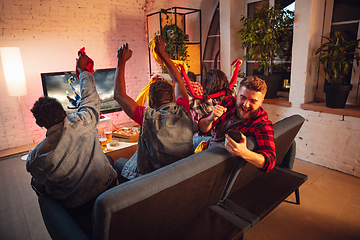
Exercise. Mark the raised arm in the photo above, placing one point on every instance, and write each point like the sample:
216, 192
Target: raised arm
89, 107
126, 102
82, 62
180, 90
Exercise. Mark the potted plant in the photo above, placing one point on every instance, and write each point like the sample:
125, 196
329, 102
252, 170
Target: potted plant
175, 40
265, 36
337, 56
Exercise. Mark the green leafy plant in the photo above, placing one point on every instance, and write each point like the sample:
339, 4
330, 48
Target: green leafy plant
265, 35
241, 74
175, 40
337, 56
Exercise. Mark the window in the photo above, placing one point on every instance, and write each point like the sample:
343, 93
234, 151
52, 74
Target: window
283, 63
344, 15
211, 58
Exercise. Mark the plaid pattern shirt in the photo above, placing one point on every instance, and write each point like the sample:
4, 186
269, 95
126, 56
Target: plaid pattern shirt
202, 107
257, 126
198, 89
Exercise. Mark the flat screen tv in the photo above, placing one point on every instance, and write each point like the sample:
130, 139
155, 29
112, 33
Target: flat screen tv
59, 85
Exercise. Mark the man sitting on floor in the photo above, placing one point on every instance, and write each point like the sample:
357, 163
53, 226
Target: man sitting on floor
166, 126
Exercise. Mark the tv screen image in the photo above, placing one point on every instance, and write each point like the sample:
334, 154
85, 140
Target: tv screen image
60, 85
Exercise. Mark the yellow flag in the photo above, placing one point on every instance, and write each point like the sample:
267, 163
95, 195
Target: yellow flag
156, 57
140, 100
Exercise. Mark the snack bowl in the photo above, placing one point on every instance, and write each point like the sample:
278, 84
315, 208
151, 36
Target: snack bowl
114, 143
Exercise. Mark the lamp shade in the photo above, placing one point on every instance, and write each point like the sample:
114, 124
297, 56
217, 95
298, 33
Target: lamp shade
13, 70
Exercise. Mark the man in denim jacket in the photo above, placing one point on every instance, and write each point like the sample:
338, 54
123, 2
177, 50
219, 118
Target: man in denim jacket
69, 162
166, 126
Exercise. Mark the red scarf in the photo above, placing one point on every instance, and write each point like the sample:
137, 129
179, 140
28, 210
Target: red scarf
214, 95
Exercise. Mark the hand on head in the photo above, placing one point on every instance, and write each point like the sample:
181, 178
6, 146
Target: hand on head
124, 53
82, 61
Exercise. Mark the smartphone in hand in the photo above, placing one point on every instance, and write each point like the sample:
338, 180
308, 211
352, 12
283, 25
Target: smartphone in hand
235, 135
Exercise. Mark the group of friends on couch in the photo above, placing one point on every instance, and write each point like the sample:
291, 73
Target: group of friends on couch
70, 165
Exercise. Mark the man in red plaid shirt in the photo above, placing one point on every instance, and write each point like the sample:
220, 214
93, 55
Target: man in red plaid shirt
244, 114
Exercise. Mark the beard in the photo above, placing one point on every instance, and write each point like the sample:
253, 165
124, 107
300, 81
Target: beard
245, 114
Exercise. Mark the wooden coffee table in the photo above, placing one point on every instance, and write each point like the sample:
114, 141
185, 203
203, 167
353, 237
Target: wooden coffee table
127, 147
124, 150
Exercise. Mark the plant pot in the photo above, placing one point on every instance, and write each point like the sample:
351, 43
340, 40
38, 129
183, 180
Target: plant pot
336, 95
272, 82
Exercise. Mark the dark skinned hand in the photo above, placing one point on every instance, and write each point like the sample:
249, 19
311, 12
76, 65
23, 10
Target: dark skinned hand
160, 45
82, 61
124, 53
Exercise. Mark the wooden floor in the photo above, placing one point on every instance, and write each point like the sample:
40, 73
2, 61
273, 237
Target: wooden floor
14, 151
329, 209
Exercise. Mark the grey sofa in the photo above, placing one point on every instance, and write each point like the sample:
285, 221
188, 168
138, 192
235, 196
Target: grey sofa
209, 195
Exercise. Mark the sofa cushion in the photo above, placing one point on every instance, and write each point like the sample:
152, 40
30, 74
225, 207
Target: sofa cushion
209, 224
262, 194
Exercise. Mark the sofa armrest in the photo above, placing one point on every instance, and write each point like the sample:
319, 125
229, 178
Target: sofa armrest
288, 160
285, 132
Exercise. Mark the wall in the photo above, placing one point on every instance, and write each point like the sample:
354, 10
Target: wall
231, 12
49, 34
325, 139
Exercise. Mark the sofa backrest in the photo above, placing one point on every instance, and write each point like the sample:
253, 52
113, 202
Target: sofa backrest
285, 132
165, 199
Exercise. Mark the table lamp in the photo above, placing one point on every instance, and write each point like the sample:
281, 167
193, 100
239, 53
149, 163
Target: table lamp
15, 77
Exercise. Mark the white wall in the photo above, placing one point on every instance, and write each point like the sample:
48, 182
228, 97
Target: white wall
49, 34
230, 13
308, 25
326, 139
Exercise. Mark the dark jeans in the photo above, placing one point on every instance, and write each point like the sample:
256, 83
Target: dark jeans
198, 139
111, 161
119, 165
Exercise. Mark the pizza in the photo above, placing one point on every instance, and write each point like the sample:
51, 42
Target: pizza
127, 131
